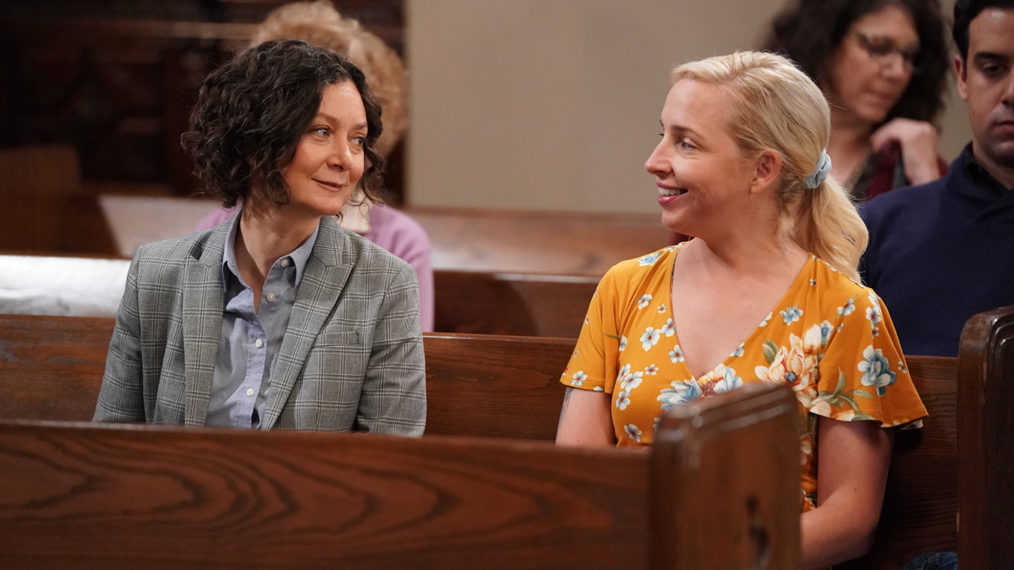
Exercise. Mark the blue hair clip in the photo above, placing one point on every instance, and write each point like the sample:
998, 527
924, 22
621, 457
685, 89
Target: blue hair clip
820, 173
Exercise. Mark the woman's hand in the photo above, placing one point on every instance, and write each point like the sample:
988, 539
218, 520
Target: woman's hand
918, 142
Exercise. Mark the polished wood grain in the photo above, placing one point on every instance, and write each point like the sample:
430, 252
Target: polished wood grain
158, 498
89, 496
494, 386
51, 367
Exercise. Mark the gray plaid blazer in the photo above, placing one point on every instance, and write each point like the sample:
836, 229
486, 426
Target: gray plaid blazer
351, 358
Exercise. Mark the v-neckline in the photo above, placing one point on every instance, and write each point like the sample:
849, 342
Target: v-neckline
756, 330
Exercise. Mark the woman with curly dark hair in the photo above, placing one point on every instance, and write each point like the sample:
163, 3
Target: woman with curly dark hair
882, 64
277, 318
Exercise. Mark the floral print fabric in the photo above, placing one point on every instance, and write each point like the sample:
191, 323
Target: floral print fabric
829, 338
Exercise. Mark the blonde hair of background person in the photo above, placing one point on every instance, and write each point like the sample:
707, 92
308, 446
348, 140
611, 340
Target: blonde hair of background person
741, 166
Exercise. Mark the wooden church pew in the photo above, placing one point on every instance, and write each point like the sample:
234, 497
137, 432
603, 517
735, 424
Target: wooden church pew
109, 496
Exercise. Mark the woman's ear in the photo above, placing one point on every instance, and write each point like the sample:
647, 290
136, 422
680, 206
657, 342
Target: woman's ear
767, 171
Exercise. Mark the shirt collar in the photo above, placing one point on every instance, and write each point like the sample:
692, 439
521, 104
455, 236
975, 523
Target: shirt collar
975, 191
978, 173
299, 256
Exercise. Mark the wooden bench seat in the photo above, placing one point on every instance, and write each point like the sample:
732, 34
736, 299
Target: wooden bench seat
87, 495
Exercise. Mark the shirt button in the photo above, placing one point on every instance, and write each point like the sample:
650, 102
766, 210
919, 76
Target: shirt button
285, 262
258, 343
271, 297
249, 392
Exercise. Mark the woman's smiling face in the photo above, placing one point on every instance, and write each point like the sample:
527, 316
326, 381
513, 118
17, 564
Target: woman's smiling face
699, 169
329, 159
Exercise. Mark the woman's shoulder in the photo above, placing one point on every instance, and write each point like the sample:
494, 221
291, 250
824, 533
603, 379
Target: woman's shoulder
658, 260
368, 257
634, 277
178, 250
835, 286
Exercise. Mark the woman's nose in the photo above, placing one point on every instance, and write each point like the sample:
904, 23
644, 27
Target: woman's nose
656, 162
341, 154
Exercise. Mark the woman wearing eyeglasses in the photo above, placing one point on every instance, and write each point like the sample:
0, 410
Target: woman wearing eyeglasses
882, 64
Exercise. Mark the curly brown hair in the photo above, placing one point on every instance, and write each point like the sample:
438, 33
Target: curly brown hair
252, 111
809, 31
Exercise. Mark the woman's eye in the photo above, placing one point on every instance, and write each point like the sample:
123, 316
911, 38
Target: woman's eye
359, 141
321, 131
685, 144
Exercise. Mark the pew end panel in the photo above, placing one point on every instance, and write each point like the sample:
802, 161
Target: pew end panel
752, 513
985, 425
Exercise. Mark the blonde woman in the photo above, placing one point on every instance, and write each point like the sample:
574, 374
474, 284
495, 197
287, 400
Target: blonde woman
742, 166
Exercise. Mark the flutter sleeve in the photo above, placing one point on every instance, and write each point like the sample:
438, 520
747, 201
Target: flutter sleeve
592, 365
862, 371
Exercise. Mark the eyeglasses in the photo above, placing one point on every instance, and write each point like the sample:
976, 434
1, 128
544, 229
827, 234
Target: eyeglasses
882, 51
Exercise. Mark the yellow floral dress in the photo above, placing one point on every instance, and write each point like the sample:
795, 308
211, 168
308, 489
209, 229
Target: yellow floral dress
829, 338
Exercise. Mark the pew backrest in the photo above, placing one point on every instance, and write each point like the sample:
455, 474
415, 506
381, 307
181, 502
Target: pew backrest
986, 432
920, 502
494, 386
158, 497
51, 367
524, 304
484, 385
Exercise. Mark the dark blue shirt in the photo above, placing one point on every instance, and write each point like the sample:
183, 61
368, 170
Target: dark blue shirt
940, 253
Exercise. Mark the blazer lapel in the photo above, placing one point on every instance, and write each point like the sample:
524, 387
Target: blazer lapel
202, 322
321, 285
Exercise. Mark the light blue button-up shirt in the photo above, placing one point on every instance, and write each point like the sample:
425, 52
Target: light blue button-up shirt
251, 339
